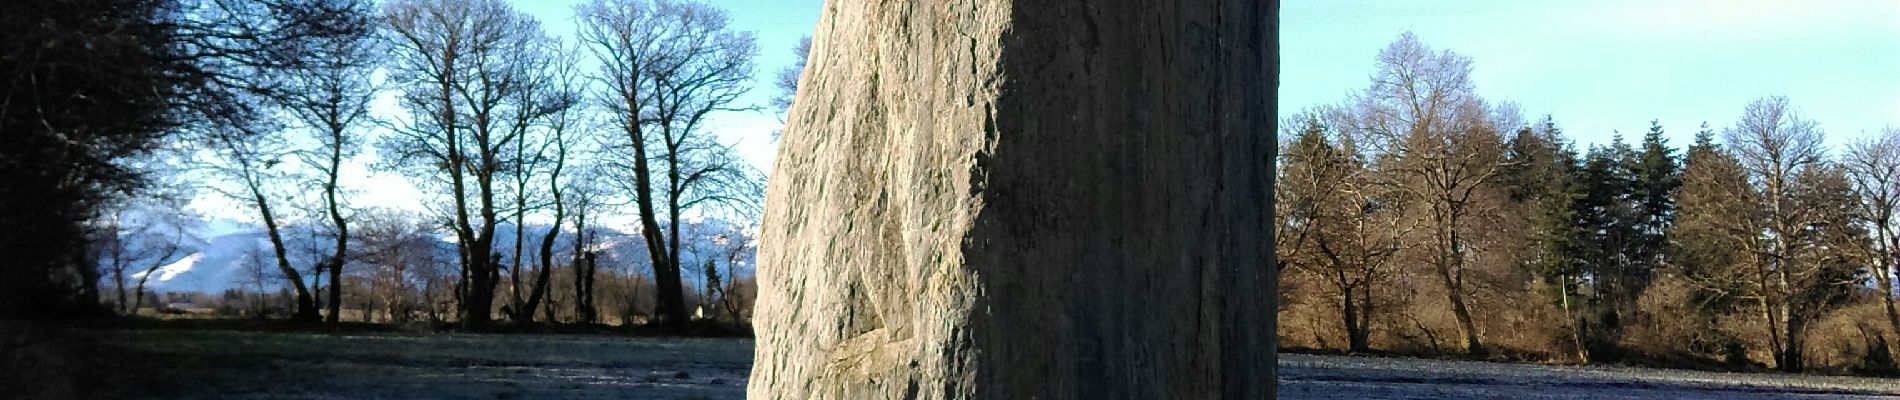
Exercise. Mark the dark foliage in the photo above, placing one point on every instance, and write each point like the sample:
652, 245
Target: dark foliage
93, 84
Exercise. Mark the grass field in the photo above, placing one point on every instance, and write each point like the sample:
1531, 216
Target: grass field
195, 364
191, 364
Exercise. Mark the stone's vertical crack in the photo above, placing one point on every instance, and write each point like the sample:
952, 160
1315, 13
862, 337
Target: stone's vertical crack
1092, 42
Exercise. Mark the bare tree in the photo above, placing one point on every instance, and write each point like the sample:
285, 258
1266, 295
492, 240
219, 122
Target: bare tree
1349, 226
136, 235
788, 77
252, 157
282, 43
395, 245
1874, 165
665, 67
585, 198
330, 94
243, 53
459, 66
1443, 153
541, 157
1802, 216
433, 271
727, 250
138, 291
255, 266
135, 247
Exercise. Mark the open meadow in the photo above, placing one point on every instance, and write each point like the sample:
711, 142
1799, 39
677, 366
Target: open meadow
195, 364
190, 363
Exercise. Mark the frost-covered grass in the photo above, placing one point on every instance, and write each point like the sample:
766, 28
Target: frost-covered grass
260, 365
254, 365
1335, 377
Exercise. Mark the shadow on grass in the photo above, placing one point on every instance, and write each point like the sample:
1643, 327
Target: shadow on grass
708, 329
106, 359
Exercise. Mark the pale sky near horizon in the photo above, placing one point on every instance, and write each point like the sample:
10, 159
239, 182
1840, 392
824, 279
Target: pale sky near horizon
1614, 65
1596, 66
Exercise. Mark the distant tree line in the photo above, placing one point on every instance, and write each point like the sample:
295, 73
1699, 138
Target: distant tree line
401, 272
1416, 217
114, 105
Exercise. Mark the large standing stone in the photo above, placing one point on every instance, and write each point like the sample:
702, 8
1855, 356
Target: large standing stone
1002, 199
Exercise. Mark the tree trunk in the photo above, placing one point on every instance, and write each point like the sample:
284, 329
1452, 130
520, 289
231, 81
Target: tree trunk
306, 306
1366, 306
1563, 290
1792, 356
336, 290
428, 300
1356, 335
671, 305
1775, 346
540, 290
118, 265
732, 285
583, 271
477, 309
584, 289
1886, 296
475, 292
523, 312
461, 284
584, 309
138, 292
485, 266
676, 289
541, 283
340, 256
1885, 277
666, 273
1466, 327
1449, 271
1355, 330
118, 281
1791, 324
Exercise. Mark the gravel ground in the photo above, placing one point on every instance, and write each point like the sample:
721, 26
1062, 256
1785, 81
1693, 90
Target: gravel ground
192, 364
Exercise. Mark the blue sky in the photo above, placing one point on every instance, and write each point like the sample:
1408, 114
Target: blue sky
1597, 66
778, 25
1602, 66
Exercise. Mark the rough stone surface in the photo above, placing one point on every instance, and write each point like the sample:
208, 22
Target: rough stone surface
1000, 199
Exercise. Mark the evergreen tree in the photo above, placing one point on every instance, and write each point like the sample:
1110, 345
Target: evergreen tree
1625, 210
1658, 176
1606, 216
1541, 178
1647, 182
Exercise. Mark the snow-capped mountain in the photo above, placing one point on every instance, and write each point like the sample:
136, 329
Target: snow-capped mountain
213, 268
239, 255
